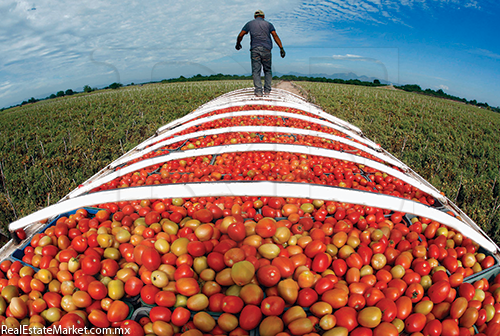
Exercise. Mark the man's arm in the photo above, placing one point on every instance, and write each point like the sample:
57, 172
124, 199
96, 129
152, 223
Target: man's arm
276, 39
278, 42
239, 39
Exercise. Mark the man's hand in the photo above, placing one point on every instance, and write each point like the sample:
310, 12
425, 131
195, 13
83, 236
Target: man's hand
238, 46
282, 53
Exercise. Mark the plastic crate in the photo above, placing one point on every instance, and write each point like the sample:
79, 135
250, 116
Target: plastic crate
19, 253
489, 273
134, 301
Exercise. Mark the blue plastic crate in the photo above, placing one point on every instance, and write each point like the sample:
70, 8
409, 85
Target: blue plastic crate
19, 253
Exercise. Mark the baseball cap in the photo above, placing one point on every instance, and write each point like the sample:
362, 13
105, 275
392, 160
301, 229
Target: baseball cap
259, 12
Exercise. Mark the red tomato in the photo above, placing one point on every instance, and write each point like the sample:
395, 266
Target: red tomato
148, 294
118, 311
268, 275
133, 286
165, 299
132, 327
232, 304
439, 291
97, 290
79, 244
98, 318
72, 322
109, 268
284, 265
433, 328
415, 292
388, 308
321, 262
347, 318
151, 259
236, 231
272, 306
91, 265
215, 261
250, 317
187, 286
415, 322
160, 314
180, 316
307, 296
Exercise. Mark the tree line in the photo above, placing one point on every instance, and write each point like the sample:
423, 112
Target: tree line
408, 87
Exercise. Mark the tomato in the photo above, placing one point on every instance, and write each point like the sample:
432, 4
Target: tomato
97, 290
148, 294
165, 299
268, 275
109, 268
79, 244
450, 328
72, 322
232, 304
271, 325
467, 291
132, 327
336, 297
415, 322
433, 328
180, 316
389, 309
133, 286
160, 314
415, 292
284, 265
323, 284
347, 318
272, 306
404, 307
385, 329
98, 318
439, 291
187, 286
151, 259
266, 227
215, 261
307, 297
250, 317
91, 265
236, 231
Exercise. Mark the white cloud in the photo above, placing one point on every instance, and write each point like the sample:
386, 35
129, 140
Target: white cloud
54, 43
443, 87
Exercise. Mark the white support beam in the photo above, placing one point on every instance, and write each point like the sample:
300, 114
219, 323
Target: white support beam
260, 129
265, 113
260, 188
259, 147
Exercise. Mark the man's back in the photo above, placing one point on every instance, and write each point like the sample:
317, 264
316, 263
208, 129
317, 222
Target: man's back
260, 33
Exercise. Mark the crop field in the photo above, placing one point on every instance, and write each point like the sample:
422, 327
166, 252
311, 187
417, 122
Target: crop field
454, 146
47, 149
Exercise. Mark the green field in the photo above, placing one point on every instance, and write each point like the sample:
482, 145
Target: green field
454, 146
47, 149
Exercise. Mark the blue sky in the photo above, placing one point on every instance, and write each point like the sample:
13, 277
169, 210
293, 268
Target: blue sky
52, 45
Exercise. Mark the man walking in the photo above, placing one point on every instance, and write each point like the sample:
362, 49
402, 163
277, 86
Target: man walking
260, 50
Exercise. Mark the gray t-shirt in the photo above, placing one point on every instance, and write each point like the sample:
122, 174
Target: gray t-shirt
260, 33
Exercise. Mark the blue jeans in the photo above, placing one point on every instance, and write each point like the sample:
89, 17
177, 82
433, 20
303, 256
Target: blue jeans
261, 59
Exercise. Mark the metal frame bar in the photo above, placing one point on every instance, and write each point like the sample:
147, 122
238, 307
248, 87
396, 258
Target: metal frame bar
260, 147
261, 188
266, 113
306, 107
262, 129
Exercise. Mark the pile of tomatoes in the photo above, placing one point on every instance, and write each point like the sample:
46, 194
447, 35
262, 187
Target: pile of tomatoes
271, 166
242, 265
